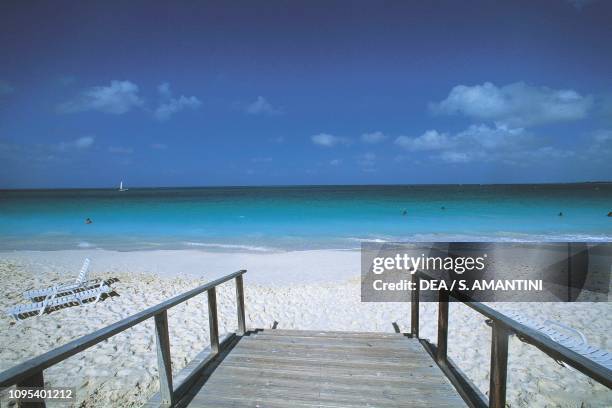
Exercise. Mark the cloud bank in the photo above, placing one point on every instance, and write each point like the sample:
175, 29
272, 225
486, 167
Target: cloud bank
117, 98
262, 107
516, 104
373, 138
170, 105
327, 140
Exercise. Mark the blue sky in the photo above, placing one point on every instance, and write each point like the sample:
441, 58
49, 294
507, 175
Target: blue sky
285, 92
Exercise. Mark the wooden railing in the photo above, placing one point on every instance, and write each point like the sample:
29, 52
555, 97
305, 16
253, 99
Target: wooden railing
30, 373
502, 328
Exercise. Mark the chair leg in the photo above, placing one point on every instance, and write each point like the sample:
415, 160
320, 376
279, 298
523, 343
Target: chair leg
46, 302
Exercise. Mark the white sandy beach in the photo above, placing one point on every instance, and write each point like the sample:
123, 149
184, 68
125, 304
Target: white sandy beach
317, 290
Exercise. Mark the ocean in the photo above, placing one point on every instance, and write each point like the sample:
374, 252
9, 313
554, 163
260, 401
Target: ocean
301, 217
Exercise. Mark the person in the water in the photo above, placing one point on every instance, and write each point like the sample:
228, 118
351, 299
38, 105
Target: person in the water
88, 221
404, 212
560, 214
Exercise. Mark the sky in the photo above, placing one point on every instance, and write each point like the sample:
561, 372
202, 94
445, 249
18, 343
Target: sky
295, 92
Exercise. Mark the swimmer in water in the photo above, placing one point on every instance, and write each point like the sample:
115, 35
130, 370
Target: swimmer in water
88, 221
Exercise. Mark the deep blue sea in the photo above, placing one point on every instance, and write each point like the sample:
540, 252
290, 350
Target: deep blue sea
295, 218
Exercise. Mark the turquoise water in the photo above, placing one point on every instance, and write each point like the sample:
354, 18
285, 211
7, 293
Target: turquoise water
284, 218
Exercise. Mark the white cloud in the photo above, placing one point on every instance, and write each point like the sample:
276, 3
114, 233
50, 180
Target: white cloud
483, 143
5, 88
327, 140
84, 142
117, 98
169, 105
516, 104
175, 105
455, 157
372, 138
335, 162
430, 140
499, 137
81, 143
262, 107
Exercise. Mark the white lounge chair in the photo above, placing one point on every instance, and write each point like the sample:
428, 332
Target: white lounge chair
53, 300
568, 337
66, 287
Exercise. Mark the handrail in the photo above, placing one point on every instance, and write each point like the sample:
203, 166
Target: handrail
30, 372
557, 351
502, 326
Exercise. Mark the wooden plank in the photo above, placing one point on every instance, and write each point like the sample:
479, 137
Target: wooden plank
213, 323
240, 305
396, 345
442, 325
285, 402
323, 333
499, 366
164, 363
352, 339
335, 352
354, 376
238, 377
330, 362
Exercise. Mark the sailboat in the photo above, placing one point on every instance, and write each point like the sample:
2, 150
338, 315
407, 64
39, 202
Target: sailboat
121, 187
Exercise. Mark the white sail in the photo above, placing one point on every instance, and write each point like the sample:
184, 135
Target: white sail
121, 186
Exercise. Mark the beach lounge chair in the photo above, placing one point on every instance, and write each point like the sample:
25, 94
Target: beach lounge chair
66, 287
53, 300
568, 337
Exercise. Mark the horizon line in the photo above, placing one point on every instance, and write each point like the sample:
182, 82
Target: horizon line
305, 185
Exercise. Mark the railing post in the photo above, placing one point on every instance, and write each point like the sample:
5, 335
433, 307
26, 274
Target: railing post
35, 381
163, 359
212, 320
442, 326
499, 365
240, 305
414, 307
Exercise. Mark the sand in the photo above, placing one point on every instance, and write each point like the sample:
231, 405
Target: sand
316, 290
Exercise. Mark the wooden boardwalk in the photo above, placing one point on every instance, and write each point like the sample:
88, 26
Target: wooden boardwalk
287, 368
284, 368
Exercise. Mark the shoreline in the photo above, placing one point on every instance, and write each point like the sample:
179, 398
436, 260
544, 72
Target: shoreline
309, 266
